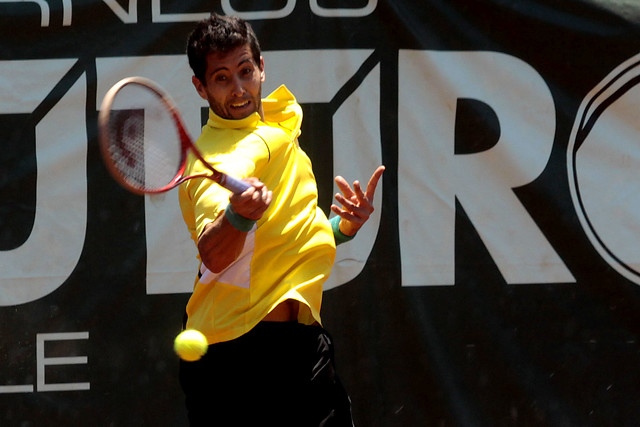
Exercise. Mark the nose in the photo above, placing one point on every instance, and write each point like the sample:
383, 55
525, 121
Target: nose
237, 89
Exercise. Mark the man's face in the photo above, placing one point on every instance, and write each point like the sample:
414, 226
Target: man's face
233, 83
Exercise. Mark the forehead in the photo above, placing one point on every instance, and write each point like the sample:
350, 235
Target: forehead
228, 60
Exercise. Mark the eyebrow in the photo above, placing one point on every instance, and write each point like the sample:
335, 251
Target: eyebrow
226, 68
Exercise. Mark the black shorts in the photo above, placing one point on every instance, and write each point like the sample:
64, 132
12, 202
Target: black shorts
279, 373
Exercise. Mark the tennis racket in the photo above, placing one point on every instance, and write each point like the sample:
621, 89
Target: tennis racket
144, 142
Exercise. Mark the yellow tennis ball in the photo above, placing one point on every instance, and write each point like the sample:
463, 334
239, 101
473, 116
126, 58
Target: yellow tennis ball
190, 345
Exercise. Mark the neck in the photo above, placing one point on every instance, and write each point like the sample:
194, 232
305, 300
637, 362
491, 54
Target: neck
261, 112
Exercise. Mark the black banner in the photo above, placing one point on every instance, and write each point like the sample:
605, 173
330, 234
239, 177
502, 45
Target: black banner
496, 284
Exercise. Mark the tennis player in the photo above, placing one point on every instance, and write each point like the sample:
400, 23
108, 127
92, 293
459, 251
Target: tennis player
264, 253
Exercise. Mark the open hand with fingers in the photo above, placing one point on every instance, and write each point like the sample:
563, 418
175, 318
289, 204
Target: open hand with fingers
357, 205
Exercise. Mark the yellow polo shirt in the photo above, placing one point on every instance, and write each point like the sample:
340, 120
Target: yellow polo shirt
289, 252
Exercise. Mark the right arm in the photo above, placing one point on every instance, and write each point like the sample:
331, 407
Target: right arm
220, 243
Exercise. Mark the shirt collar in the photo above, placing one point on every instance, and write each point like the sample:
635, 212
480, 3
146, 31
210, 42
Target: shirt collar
279, 107
215, 121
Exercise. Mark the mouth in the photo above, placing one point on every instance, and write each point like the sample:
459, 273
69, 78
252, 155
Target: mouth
240, 105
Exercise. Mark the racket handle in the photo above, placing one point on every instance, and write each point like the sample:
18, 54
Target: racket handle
234, 185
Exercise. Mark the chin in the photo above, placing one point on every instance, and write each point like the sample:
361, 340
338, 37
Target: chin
238, 115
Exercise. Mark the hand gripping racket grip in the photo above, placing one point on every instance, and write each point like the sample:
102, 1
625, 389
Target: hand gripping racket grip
234, 185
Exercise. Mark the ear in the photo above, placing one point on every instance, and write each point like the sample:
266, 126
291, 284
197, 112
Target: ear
262, 74
199, 87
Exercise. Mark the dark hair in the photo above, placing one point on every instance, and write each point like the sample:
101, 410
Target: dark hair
219, 34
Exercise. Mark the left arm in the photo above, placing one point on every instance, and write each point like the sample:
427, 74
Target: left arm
357, 205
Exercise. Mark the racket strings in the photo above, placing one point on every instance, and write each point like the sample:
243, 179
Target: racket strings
143, 145
127, 147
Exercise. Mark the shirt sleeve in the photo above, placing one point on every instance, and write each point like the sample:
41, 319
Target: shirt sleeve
208, 199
